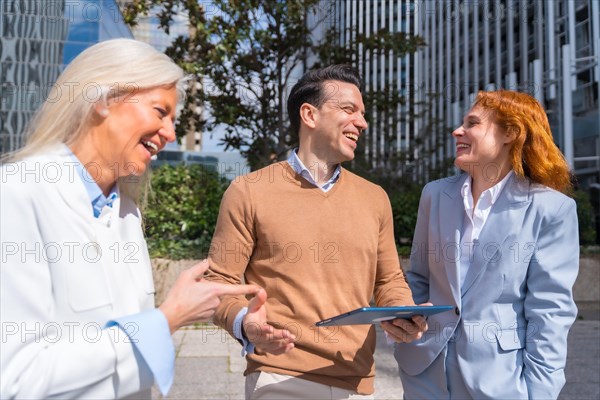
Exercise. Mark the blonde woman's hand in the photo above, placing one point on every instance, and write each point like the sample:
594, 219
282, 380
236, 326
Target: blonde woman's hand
193, 299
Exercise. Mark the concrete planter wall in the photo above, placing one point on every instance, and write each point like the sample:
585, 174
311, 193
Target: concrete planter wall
587, 286
165, 273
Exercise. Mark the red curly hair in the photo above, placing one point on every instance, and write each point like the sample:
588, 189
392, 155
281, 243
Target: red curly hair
533, 154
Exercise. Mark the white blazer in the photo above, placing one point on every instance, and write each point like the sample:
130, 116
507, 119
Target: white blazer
63, 275
515, 308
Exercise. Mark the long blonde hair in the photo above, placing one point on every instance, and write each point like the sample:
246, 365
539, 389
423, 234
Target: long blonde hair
106, 70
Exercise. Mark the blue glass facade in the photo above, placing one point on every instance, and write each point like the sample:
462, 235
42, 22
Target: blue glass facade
37, 38
92, 21
32, 34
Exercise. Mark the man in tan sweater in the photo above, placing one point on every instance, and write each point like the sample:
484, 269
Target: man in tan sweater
319, 240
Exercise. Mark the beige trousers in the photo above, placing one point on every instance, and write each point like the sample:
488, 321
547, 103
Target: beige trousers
270, 386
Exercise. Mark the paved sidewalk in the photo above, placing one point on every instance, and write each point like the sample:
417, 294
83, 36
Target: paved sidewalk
209, 365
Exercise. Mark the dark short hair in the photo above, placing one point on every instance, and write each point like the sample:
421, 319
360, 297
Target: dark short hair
309, 89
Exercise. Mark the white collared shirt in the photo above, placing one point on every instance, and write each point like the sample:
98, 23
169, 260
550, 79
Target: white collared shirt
475, 218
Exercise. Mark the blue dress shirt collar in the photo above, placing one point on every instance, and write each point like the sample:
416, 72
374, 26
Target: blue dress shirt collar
97, 198
299, 167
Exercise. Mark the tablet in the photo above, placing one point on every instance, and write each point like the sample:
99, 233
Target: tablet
373, 315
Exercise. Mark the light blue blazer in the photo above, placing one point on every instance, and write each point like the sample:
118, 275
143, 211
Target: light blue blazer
514, 310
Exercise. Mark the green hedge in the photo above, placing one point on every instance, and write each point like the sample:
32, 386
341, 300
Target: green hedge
182, 211
405, 205
585, 217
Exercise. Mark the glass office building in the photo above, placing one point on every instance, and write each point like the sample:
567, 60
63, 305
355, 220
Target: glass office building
31, 55
148, 29
37, 38
390, 130
92, 21
548, 48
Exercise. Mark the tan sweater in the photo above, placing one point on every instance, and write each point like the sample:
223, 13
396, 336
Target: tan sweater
317, 255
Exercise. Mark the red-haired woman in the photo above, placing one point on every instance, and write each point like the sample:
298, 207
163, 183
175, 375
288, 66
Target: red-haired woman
500, 243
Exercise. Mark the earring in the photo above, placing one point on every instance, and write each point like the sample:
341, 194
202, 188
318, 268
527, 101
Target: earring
103, 112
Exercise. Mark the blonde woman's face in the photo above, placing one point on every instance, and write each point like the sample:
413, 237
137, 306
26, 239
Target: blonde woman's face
137, 127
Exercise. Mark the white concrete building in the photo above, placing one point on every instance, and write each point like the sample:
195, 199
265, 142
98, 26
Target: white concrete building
547, 48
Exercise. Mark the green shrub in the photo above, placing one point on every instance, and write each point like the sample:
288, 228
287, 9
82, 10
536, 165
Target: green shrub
182, 211
585, 217
183, 207
405, 205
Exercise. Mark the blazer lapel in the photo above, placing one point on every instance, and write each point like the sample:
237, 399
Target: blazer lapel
70, 186
451, 220
505, 216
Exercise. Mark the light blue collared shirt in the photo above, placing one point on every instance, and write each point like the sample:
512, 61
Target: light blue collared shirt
152, 339
154, 343
298, 167
97, 198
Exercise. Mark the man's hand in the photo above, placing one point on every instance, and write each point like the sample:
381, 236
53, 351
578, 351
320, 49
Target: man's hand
263, 336
193, 299
406, 330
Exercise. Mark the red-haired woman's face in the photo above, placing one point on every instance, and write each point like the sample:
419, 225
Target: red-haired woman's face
482, 148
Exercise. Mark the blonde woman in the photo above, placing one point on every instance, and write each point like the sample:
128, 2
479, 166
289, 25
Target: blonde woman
500, 243
77, 296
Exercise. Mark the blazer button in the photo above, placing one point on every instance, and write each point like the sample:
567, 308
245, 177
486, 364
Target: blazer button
457, 311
